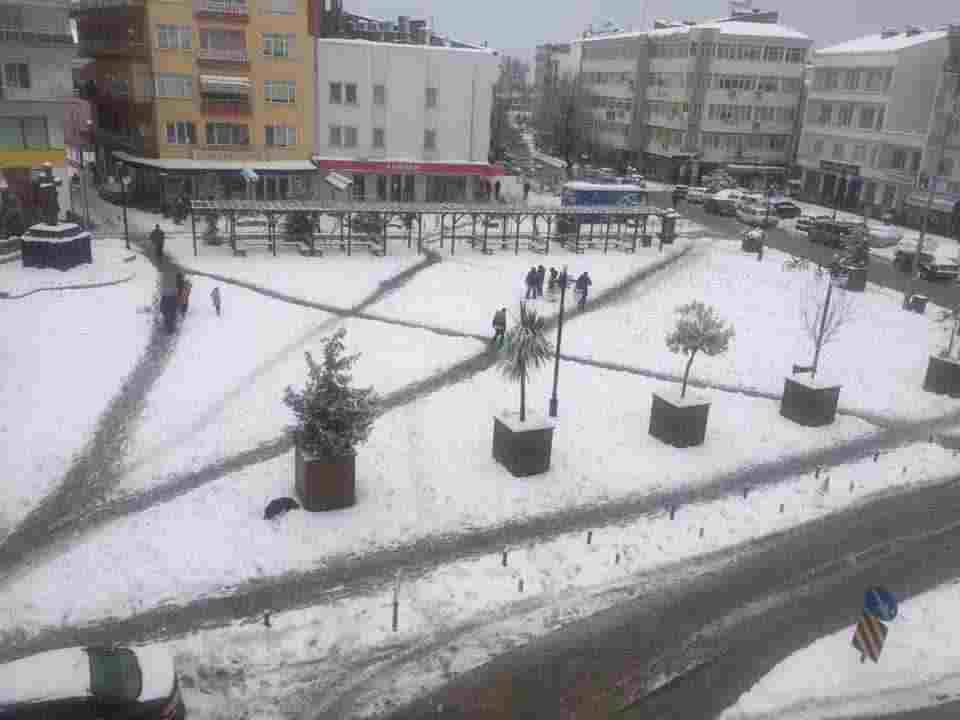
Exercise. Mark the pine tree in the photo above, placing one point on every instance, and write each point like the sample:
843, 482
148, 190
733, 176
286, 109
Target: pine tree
699, 329
333, 418
525, 348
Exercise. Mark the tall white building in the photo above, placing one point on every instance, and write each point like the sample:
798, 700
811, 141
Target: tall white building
407, 122
687, 98
873, 131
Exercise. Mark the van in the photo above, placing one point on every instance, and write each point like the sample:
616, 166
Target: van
92, 683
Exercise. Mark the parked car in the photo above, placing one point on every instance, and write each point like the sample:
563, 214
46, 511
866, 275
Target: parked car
805, 222
696, 195
681, 190
882, 235
90, 683
757, 215
833, 233
929, 266
723, 202
786, 209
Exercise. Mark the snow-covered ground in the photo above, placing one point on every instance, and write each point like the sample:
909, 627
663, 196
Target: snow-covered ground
880, 356
426, 470
460, 615
57, 377
919, 667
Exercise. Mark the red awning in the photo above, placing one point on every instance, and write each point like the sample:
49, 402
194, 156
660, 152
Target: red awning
392, 167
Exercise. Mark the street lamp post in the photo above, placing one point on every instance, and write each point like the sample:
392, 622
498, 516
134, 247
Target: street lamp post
556, 354
123, 189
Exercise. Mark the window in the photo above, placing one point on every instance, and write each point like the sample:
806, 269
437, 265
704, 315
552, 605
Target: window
431, 97
878, 80
114, 675
749, 52
773, 53
174, 86
851, 80
899, 160
16, 75
859, 153
915, 161
778, 142
281, 7
24, 132
336, 93
227, 43
867, 118
818, 147
280, 91
280, 135
378, 138
379, 94
349, 137
227, 134
119, 87
359, 187
382, 188
796, 55
336, 136
831, 79
845, 116
946, 167
351, 93
767, 84
826, 114
429, 139
174, 37
791, 85
880, 119
837, 151
279, 45
181, 133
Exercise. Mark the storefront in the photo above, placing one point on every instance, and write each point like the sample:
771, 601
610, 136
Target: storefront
756, 176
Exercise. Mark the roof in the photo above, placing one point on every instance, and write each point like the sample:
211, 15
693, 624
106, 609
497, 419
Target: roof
406, 46
188, 164
872, 44
726, 27
55, 674
580, 185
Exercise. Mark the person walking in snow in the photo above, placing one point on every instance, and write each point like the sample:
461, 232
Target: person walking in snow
215, 297
531, 284
526, 191
157, 238
541, 277
168, 299
582, 287
183, 293
499, 327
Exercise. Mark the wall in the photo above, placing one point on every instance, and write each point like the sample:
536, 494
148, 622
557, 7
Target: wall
912, 91
464, 80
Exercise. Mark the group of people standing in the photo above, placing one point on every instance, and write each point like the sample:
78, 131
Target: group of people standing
536, 278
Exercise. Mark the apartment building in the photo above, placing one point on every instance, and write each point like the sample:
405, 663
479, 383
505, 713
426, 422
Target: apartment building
552, 63
187, 93
36, 51
874, 123
401, 112
686, 98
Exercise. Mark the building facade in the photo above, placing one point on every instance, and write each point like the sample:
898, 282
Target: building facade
187, 93
688, 98
552, 63
406, 118
875, 123
36, 52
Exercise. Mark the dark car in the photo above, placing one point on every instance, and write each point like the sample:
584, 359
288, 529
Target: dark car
805, 222
91, 683
786, 209
832, 233
928, 266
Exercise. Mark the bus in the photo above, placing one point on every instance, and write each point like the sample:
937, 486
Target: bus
590, 194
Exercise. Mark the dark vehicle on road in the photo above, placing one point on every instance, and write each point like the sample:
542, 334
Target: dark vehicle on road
929, 266
832, 233
723, 202
786, 209
92, 683
805, 222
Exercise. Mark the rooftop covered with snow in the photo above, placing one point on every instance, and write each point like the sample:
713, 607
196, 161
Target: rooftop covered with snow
726, 26
873, 44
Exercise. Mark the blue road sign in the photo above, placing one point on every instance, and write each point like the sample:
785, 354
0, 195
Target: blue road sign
880, 603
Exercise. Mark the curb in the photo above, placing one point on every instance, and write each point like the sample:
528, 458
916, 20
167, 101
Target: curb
80, 286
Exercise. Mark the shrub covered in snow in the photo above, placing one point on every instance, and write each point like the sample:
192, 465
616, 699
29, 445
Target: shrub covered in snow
699, 329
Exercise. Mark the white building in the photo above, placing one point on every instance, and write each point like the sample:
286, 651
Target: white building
687, 98
871, 114
405, 121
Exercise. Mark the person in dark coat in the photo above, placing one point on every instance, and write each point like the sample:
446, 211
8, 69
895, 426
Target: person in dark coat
531, 283
582, 287
553, 280
215, 296
526, 191
157, 238
168, 299
541, 277
499, 326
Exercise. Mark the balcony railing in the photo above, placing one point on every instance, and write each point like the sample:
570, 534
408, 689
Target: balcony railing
93, 45
223, 56
33, 37
86, 5
235, 107
222, 8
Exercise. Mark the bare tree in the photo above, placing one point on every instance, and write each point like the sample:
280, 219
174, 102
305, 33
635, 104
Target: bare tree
699, 329
561, 119
951, 317
824, 327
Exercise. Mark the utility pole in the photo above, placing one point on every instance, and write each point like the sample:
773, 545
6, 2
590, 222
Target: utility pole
556, 355
823, 327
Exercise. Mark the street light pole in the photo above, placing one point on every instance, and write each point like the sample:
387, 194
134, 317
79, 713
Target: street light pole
123, 190
556, 354
823, 327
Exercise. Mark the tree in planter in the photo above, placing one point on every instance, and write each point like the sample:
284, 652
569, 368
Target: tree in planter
333, 418
525, 348
699, 329
823, 319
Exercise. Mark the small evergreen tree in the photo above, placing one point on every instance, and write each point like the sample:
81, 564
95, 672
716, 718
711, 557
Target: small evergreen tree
699, 329
525, 348
333, 418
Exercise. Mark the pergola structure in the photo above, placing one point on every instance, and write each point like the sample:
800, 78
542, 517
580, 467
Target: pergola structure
371, 226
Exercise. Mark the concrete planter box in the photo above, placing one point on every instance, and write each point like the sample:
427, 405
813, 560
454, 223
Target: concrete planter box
943, 376
856, 279
808, 402
326, 484
523, 448
749, 244
681, 422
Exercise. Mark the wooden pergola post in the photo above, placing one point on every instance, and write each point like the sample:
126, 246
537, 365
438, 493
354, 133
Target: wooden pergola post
193, 221
546, 249
419, 233
486, 232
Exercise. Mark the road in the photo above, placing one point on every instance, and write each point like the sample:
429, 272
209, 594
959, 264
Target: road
881, 270
722, 631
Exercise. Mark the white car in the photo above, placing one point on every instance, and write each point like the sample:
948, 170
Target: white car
757, 215
881, 235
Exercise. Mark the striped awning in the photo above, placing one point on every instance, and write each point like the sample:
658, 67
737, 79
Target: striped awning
225, 85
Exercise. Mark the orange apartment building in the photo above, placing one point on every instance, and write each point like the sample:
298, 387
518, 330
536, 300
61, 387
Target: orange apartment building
188, 93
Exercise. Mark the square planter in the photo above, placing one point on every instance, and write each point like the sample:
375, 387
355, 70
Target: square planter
749, 244
808, 402
943, 376
326, 484
856, 279
523, 448
681, 422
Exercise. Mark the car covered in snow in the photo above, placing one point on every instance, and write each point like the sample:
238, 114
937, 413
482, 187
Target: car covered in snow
883, 235
805, 222
696, 195
757, 215
930, 265
90, 683
723, 202
786, 209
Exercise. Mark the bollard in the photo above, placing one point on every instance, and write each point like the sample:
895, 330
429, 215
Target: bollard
826, 484
851, 486
589, 536
520, 585
673, 511
701, 532
745, 491
876, 456
781, 508
504, 559
266, 619
904, 471
617, 561
396, 604
816, 473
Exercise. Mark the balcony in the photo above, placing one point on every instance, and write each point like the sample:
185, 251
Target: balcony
82, 6
33, 37
236, 57
109, 46
234, 107
221, 9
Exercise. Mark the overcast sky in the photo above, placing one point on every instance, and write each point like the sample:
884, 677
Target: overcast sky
517, 26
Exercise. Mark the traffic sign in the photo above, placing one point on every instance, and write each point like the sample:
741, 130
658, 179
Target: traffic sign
880, 603
869, 637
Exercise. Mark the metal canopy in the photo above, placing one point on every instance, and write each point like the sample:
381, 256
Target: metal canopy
400, 208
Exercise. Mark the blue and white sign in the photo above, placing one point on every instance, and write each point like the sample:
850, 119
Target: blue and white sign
880, 603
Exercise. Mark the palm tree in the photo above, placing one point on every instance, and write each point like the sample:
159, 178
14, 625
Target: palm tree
525, 348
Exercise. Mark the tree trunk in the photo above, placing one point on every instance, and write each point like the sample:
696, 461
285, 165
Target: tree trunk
953, 336
686, 374
523, 397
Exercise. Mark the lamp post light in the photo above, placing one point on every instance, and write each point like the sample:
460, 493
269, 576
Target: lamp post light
556, 355
124, 181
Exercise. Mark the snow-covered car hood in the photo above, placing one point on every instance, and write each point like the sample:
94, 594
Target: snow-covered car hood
156, 667
883, 236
